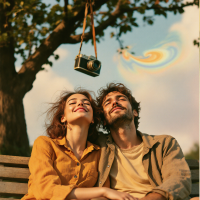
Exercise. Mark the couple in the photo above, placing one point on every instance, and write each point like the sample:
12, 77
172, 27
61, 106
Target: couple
78, 162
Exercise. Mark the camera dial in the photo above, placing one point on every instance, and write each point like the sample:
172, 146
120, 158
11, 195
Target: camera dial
93, 65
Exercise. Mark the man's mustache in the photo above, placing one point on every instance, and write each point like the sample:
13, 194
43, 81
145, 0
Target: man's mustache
117, 106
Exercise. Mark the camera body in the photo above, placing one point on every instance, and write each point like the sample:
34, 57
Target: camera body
88, 65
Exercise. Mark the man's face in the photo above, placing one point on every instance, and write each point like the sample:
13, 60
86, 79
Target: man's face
117, 108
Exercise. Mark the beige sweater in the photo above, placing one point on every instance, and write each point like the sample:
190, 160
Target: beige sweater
127, 173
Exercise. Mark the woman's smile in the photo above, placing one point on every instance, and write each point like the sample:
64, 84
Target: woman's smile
81, 109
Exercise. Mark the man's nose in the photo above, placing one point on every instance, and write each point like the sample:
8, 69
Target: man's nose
115, 103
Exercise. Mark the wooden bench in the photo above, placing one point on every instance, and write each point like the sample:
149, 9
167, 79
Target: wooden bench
14, 175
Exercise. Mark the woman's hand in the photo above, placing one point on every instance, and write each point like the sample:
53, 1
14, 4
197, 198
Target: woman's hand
114, 194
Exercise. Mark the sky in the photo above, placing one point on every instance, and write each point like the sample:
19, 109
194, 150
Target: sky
163, 76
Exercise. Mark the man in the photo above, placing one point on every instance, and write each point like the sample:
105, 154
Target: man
146, 166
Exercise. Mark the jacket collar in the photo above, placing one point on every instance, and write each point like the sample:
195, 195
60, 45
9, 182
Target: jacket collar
63, 142
149, 140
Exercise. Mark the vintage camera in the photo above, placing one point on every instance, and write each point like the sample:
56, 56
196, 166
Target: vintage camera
88, 65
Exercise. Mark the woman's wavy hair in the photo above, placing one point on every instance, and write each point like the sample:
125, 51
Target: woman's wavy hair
57, 129
117, 87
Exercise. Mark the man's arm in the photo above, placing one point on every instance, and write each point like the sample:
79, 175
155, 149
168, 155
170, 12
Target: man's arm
176, 175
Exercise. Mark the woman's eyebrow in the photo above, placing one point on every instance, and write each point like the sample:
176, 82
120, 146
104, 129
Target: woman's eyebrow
85, 100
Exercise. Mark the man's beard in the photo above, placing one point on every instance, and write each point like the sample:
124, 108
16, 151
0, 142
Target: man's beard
119, 119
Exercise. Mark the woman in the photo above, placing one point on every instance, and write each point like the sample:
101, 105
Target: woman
64, 165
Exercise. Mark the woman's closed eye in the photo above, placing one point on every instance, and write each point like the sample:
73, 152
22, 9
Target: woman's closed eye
72, 103
87, 103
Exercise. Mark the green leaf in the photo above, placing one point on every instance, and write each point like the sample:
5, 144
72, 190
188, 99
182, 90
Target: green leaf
150, 21
112, 34
135, 24
56, 57
21, 42
180, 10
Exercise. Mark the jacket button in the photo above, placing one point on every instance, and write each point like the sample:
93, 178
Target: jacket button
108, 166
100, 182
75, 176
77, 164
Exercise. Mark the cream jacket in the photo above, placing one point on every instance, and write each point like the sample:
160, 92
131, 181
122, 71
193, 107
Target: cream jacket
163, 161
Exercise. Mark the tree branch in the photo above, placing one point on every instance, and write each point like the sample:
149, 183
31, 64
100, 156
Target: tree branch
33, 64
118, 11
114, 15
65, 6
158, 7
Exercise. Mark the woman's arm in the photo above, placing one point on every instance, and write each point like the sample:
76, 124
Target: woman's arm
44, 182
95, 192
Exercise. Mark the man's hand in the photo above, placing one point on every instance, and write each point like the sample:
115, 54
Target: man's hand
153, 196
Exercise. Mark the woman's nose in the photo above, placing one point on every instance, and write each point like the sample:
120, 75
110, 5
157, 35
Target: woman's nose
80, 103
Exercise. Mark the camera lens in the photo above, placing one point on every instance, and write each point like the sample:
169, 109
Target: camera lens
93, 65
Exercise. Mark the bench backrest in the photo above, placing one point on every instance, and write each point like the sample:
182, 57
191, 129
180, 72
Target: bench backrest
14, 175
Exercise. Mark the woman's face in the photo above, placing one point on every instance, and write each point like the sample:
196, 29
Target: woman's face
77, 107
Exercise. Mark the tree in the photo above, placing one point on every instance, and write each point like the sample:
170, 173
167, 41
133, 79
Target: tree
193, 153
35, 30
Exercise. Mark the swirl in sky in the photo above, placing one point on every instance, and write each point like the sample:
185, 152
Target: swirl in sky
161, 56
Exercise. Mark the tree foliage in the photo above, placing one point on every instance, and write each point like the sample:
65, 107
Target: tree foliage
34, 30
30, 22
193, 153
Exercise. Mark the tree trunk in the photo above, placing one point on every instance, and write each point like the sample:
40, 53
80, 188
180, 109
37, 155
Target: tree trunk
13, 133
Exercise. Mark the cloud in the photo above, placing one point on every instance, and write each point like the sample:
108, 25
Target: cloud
46, 88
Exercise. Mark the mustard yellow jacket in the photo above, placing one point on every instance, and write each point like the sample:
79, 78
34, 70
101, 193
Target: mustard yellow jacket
55, 170
163, 161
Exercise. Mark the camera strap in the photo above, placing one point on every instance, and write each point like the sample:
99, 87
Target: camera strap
92, 24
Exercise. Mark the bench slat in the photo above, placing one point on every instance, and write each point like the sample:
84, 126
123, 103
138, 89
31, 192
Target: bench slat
14, 160
193, 164
11, 188
14, 173
195, 175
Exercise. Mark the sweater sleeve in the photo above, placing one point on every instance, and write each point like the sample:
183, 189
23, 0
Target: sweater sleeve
46, 183
175, 172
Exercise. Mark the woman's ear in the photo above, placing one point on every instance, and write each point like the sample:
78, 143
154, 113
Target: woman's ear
63, 119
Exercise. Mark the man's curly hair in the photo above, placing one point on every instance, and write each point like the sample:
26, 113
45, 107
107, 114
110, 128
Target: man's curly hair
117, 87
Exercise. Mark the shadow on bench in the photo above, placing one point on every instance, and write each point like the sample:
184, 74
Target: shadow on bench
14, 175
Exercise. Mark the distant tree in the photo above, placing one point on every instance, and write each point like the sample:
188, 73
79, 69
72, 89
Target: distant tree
35, 30
193, 153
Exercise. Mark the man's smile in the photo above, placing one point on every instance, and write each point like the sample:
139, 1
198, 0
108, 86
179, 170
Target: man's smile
116, 108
